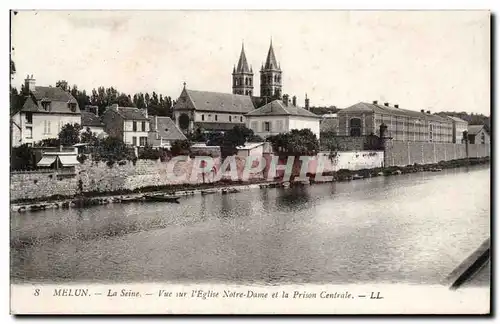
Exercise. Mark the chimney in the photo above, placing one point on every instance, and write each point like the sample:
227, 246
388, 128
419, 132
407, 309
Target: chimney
396, 106
422, 111
294, 101
428, 112
285, 100
307, 102
29, 84
386, 104
375, 102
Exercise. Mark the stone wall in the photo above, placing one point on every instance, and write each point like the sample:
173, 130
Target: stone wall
30, 185
399, 153
99, 177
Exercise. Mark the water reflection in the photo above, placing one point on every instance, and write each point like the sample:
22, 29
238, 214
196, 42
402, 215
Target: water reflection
382, 229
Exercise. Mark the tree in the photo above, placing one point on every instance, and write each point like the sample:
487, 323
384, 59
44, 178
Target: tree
22, 158
197, 136
181, 147
70, 134
296, 143
63, 84
89, 137
49, 142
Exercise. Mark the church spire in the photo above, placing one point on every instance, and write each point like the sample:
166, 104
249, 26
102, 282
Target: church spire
242, 62
271, 63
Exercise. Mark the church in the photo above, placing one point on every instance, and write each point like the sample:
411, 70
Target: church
215, 111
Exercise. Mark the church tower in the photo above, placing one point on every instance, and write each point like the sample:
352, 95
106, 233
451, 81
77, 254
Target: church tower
243, 76
270, 77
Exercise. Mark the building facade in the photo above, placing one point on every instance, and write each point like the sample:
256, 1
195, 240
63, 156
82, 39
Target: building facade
210, 111
44, 112
281, 116
129, 124
364, 119
459, 126
329, 123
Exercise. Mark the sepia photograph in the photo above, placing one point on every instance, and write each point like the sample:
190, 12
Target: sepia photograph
250, 162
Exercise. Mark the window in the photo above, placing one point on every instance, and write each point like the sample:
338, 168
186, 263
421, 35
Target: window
134, 140
202, 117
29, 132
134, 126
48, 127
215, 117
241, 119
482, 138
230, 117
355, 127
46, 105
143, 126
267, 126
143, 141
29, 118
254, 126
72, 106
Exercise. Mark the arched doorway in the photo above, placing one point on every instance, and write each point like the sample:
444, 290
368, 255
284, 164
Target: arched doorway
355, 127
184, 121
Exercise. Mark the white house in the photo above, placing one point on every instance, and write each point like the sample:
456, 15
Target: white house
280, 116
459, 126
45, 111
127, 123
90, 120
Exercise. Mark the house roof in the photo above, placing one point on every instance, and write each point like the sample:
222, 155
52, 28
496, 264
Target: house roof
219, 102
456, 119
58, 98
278, 108
388, 110
166, 128
90, 119
474, 129
131, 113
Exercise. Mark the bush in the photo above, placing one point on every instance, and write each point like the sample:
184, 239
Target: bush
181, 147
81, 158
149, 153
22, 158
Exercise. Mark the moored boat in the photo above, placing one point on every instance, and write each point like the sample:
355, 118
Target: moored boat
162, 198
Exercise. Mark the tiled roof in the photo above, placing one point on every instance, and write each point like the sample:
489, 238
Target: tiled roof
474, 129
131, 113
53, 93
278, 108
90, 119
166, 128
388, 110
456, 119
58, 98
219, 102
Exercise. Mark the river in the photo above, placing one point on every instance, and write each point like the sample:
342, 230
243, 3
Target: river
413, 228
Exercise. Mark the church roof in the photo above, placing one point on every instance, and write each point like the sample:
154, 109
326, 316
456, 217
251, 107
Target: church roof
271, 63
278, 108
217, 101
242, 63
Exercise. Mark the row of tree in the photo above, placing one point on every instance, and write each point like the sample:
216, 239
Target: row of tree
102, 97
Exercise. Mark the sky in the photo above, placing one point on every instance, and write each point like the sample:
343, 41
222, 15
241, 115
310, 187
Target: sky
432, 60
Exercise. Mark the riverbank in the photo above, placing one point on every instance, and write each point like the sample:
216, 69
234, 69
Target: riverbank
88, 199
